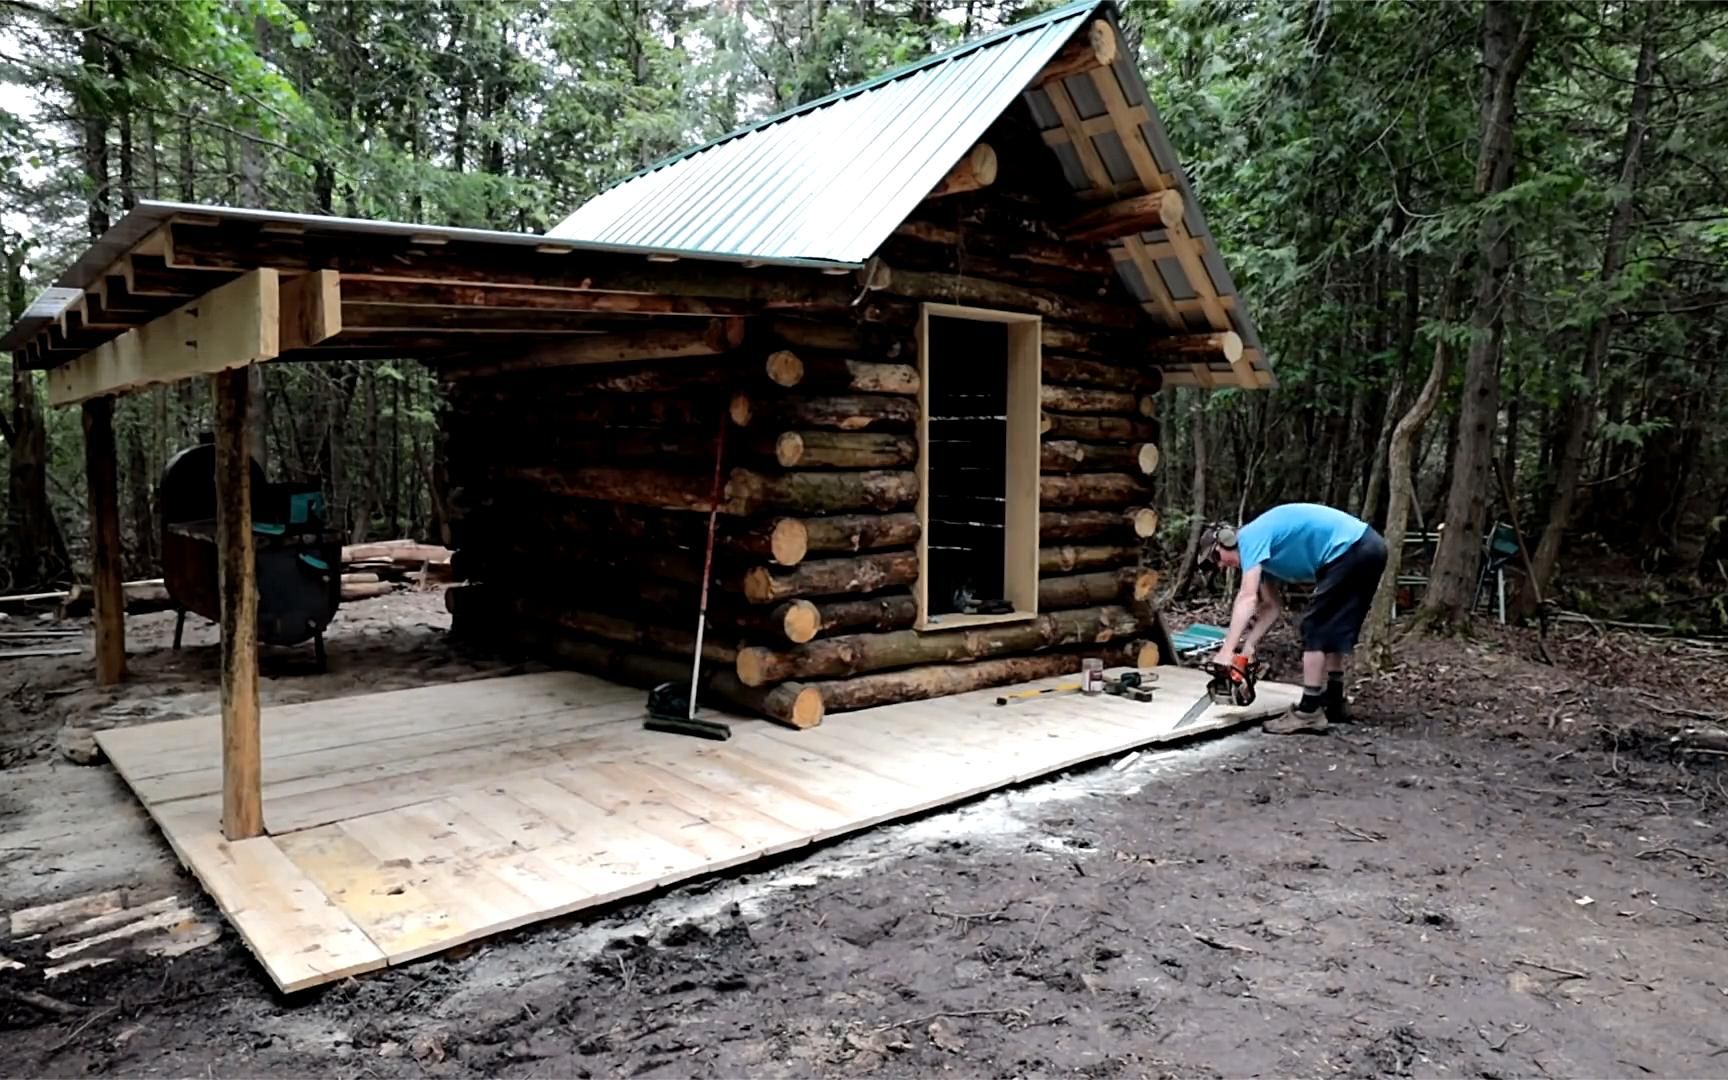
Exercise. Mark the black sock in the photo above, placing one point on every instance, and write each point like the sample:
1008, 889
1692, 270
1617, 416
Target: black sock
1312, 699
1335, 686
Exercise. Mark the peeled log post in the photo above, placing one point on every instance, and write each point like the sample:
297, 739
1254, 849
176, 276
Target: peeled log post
860, 653
1068, 560
831, 577
1090, 489
1094, 49
974, 171
1070, 371
717, 336
749, 493
1097, 428
844, 450
1091, 590
1159, 210
1095, 524
842, 413
861, 532
795, 706
836, 373
1079, 400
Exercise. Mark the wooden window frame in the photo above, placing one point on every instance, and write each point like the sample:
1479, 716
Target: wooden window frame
1020, 514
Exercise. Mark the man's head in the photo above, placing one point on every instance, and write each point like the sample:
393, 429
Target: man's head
1218, 546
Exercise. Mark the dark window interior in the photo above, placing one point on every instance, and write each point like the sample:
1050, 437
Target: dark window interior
968, 474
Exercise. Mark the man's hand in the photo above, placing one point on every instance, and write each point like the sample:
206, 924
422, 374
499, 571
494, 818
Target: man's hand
1224, 658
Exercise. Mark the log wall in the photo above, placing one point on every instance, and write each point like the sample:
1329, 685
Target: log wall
581, 490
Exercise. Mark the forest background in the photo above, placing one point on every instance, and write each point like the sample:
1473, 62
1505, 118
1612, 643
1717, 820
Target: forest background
1486, 243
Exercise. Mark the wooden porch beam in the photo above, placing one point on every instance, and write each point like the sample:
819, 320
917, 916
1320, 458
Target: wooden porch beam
100, 458
242, 768
361, 291
719, 336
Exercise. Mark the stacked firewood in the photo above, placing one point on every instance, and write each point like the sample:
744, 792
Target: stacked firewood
581, 494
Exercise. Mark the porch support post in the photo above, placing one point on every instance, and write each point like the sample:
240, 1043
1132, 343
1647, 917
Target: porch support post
104, 495
242, 777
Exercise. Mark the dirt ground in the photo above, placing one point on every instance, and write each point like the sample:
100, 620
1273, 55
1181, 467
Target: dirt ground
1499, 869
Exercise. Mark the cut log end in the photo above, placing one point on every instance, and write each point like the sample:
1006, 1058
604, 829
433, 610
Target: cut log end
1145, 654
1103, 40
1145, 584
801, 621
974, 171
1144, 521
758, 588
807, 707
789, 449
784, 368
1147, 458
1148, 406
789, 541
752, 666
1231, 345
739, 409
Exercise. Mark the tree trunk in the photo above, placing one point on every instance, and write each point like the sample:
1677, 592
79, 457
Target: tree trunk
1506, 50
1580, 408
1377, 633
41, 552
861, 653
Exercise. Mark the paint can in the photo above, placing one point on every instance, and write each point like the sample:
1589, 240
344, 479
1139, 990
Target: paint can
1091, 676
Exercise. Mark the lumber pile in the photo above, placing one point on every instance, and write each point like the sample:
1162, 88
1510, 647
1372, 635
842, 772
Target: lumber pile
382, 566
581, 491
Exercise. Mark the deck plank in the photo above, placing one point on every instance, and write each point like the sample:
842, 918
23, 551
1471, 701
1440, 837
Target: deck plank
411, 821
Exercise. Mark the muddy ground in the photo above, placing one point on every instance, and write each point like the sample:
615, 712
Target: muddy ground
1500, 869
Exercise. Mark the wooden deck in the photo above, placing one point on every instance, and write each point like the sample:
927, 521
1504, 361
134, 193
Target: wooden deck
407, 822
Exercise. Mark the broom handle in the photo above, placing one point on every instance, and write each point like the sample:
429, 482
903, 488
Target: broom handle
707, 565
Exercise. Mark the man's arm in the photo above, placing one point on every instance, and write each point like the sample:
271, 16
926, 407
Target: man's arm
1241, 613
1265, 615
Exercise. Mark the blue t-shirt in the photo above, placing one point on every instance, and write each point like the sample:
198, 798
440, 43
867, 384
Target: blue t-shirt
1295, 540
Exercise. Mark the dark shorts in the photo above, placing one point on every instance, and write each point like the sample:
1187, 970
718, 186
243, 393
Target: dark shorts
1343, 590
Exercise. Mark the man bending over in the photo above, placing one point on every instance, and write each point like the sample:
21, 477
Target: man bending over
1301, 542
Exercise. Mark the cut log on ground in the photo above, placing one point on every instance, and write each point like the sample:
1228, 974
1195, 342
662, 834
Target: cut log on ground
1101, 429
142, 598
844, 450
400, 552
853, 412
1068, 560
859, 653
352, 591
1089, 489
1093, 590
831, 577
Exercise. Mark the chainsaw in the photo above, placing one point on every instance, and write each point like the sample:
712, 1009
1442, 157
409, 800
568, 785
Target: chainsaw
1233, 683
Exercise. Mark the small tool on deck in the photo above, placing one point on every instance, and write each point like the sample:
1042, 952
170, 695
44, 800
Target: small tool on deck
1130, 684
669, 710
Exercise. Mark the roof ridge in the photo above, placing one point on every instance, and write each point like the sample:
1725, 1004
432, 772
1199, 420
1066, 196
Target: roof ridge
1055, 14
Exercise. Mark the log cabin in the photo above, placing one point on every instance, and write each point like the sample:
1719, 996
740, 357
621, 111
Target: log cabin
907, 340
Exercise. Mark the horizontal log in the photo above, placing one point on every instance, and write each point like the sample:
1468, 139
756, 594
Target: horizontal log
960, 289
861, 532
751, 493
663, 488
1159, 210
782, 539
1017, 248
975, 171
715, 337
799, 621
1087, 490
1097, 588
1073, 371
820, 372
1226, 345
860, 653
434, 295
142, 597
941, 680
1096, 48
831, 577
1068, 559
842, 413
364, 590
1075, 399
1065, 456
1056, 525
1100, 429
789, 704
840, 337
844, 450
502, 411
677, 643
